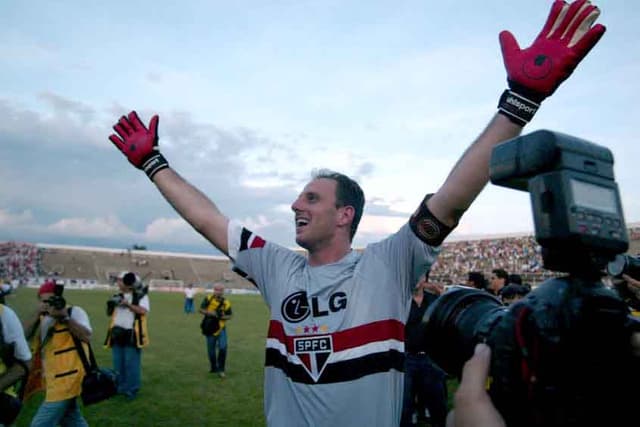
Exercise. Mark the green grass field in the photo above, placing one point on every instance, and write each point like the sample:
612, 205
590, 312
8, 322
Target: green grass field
177, 389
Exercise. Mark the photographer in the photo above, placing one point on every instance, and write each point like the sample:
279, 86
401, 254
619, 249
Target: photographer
217, 310
127, 333
52, 331
15, 358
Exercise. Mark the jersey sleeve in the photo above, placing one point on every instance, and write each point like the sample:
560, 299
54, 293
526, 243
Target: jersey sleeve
14, 334
406, 255
263, 263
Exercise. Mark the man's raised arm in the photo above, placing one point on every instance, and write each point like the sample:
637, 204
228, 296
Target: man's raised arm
533, 74
140, 146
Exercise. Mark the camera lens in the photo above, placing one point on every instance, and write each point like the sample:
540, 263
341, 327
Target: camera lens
624, 264
456, 322
616, 267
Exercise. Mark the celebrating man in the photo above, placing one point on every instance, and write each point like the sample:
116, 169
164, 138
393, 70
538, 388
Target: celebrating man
335, 339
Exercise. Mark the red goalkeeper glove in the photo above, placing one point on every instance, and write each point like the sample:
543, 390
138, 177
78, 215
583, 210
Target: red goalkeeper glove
536, 72
139, 144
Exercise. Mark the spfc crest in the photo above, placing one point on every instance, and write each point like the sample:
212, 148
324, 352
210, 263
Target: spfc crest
313, 352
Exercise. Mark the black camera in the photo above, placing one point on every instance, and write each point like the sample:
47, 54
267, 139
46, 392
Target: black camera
116, 299
113, 302
562, 355
57, 301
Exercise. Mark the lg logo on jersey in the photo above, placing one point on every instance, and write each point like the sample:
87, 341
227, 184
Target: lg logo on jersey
296, 308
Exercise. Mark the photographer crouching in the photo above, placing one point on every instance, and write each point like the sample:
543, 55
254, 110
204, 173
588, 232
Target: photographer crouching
57, 331
127, 333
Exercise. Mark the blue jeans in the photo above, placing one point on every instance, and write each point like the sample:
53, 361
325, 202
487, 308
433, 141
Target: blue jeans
217, 362
426, 382
64, 412
126, 361
188, 305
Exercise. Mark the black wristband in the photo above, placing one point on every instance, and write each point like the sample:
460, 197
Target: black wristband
427, 227
517, 108
153, 164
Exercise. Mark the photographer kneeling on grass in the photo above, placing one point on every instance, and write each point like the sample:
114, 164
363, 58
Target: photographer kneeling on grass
127, 333
216, 310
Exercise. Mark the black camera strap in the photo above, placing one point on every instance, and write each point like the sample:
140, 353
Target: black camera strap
91, 363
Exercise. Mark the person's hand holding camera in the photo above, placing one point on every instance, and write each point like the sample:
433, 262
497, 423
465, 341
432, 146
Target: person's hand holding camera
633, 285
43, 308
434, 288
472, 404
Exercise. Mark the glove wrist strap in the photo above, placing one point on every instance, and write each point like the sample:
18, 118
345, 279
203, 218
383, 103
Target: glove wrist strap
517, 108
154, 163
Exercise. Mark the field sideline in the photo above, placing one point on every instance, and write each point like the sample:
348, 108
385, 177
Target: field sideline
177, 389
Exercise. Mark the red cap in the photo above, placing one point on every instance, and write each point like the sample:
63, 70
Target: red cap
47, 287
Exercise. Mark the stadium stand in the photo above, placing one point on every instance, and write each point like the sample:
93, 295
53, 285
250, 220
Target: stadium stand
19, 260
28, 263
159, 269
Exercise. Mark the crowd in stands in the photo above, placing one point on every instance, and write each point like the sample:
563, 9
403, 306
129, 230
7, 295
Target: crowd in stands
518, 254
19, 261
515, 254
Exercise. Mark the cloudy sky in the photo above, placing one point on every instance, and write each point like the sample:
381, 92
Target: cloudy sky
253, 95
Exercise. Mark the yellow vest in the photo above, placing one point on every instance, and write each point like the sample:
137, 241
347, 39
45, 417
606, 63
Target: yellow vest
139, 329
63, 369
213, 306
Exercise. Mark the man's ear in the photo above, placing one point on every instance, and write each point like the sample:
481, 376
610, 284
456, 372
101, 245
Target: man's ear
346, 215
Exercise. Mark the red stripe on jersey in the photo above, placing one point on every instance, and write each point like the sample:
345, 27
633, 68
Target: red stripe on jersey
381, 330
257, 242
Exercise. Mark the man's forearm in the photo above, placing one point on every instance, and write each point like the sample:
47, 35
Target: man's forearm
196, 208
471, 173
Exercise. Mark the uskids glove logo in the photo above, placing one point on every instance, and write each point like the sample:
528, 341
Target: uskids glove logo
313, 352
296, 307
517, 103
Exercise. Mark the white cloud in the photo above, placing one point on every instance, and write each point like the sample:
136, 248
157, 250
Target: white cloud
170, 229
261, 223
109, 227
8, 219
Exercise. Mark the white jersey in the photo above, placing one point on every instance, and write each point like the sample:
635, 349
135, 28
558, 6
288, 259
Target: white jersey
334, 352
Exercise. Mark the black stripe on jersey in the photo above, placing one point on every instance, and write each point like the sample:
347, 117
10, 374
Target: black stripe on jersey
244, 239
244, 275
346, 370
